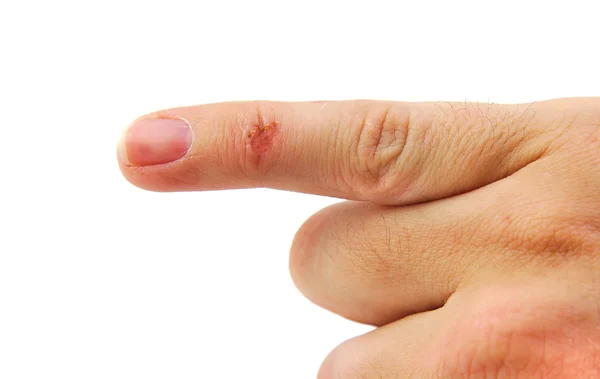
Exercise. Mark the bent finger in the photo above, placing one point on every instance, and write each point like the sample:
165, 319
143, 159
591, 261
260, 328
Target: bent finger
375, 264
408, 348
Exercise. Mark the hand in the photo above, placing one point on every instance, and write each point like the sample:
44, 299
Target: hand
472, 237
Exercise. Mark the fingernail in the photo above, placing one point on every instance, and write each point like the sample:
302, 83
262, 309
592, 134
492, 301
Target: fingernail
155, 141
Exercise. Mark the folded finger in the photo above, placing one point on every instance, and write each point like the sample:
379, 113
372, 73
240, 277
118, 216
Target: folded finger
375, 264
408, 348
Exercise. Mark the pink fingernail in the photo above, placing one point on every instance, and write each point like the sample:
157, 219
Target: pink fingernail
155, 141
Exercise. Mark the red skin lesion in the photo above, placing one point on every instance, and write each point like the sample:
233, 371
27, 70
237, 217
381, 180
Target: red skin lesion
261, 137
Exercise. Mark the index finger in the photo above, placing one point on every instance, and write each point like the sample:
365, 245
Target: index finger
382, 151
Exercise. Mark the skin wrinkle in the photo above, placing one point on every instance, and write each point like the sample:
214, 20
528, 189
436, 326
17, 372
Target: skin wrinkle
373, 143
423, 138
360, 166
522, 249
500, 128
339, 136
362, 126
378, 131
472, 125
295, 148
392, 150
235, 151
523, 125
543, 233
238, 122
293, 135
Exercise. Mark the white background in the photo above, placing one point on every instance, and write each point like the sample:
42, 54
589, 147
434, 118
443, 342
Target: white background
99, 279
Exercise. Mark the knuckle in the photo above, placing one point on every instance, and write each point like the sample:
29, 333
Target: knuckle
497, 354
395, 143
533, 338
554, 230
381, 135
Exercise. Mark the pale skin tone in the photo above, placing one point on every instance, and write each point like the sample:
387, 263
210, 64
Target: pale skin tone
471, 234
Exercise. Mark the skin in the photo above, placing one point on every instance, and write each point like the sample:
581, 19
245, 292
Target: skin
471, 234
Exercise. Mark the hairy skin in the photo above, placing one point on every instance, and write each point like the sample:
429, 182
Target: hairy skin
471, 238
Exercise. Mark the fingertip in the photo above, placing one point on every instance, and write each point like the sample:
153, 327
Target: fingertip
155, 140
153, 153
